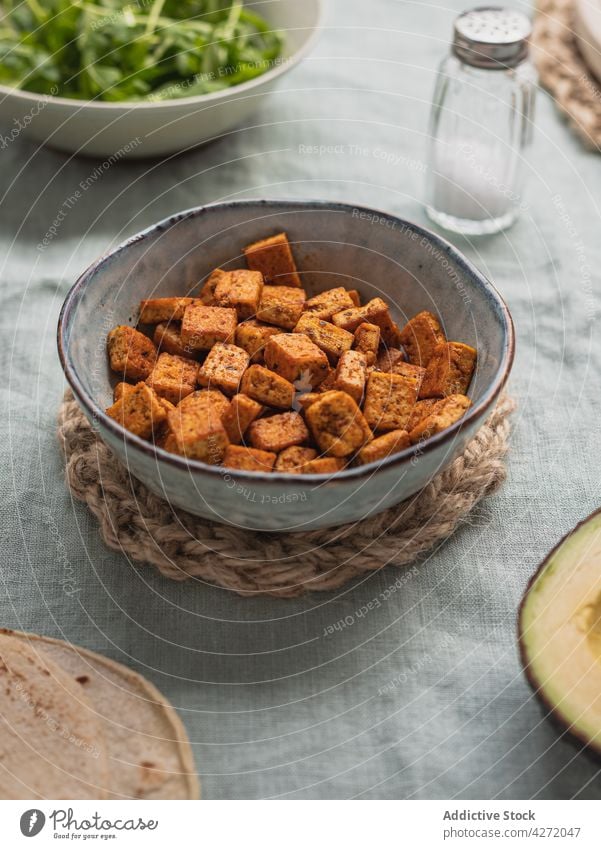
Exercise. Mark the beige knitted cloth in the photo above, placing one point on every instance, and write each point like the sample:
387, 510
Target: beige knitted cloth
564, 72
148, 530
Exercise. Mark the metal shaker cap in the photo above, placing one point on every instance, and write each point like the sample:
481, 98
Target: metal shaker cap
492, 37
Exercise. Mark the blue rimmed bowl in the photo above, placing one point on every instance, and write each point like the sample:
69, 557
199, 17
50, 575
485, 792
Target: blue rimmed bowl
334, 244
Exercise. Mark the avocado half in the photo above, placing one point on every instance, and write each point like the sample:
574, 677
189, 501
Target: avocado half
559, 628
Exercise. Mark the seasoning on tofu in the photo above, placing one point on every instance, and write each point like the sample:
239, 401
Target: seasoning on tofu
267, 387
367, 341
275, 433
389, 399
273, 258
198, 434
252, 336
206, 295
322, 466
251, 373
241, 412
444, 414
248, 459
241, 290
384, 446
337, 424
327, 303
163, 309
351, 373
292, 459
294, 356
173, 377
223, 368
281, 306
131, 354
203, 327
449, 370
168, 337
139, 411
420, 336
334, 341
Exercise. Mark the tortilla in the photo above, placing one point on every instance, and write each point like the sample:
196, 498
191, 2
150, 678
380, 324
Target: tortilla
148, 752
51, 742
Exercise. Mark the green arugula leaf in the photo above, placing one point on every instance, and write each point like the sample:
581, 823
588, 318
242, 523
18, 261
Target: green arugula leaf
144, 49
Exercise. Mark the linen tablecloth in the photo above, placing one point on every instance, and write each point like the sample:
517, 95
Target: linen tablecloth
423, 697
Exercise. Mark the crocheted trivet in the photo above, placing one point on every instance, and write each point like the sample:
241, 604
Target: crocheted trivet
147, 529
564, 72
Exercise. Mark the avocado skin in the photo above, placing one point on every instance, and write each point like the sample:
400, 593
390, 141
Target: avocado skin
550, 711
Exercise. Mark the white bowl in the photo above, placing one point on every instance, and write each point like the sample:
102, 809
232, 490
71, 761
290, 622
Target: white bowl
136, 130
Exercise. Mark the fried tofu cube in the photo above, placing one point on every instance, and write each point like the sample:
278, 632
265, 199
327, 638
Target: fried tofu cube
121, 389
373, 312
210, 402
389, 330
367, 341
241, 412
163, 309
173, 377
267, 387
304, 400
139, 411
388, 359
327, 303
328, 382
273, 258
293, 458
383, 446
161, 432
274, 433
131, 354
296, 358
252, 336
168, 406
409, 370
355, 297
389, 400
281, 305
166, 440
420, 336
323, 466
248, 459
331, 339
241, 290
421, 410
337, 424
449, 370
351, 373
197, 431
168, 337
445, 413
350, 319
223, 368
203, 327
207, 293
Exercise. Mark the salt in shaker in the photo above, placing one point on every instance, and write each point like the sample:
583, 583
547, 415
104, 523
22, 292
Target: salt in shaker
481, 123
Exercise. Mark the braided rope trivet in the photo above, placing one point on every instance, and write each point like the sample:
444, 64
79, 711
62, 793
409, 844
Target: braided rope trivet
563, 71
148, 530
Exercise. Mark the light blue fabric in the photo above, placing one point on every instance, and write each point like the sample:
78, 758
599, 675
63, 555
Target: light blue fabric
424, 696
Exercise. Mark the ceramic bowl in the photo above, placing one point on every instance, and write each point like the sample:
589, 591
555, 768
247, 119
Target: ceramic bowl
137, 130
334, 244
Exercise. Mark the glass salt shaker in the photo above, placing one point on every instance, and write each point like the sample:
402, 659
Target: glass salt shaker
481, 123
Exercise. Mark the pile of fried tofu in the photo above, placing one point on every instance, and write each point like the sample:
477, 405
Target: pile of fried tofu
251, 374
